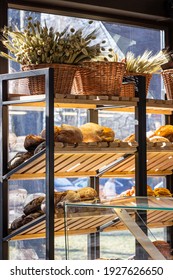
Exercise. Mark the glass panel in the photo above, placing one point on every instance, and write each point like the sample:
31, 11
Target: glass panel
113, 232
136, 203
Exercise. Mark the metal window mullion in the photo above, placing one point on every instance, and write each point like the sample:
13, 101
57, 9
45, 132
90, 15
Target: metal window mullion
140, 160
3, 169
49, 91
168, 231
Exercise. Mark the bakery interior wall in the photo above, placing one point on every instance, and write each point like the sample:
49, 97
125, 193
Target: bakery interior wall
147, 13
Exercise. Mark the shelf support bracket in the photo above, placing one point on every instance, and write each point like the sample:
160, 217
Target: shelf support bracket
138, 233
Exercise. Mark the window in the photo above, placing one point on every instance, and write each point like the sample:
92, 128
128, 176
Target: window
121, 38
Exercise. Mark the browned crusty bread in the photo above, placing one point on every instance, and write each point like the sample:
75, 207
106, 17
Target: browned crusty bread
58, 196
170, 137
108, 134
32, 141
131, 192
71, 196
87, 193
155, 139
18, 159
164, 131
33, 206
131, 138
69, 134
82, 194
24, 219
162, 192
37, 206
66, 134
56, 132
93, 132
150, 191
164, 248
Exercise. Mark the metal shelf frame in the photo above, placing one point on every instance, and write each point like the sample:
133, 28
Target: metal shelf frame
49, 97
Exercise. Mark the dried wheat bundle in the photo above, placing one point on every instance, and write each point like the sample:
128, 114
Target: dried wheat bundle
38, 44
147, 62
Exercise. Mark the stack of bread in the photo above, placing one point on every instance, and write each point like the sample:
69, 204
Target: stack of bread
37, 207
162, 192
157, 192
66, 134
163, 134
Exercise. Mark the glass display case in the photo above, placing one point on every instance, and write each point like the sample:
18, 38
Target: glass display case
117, 224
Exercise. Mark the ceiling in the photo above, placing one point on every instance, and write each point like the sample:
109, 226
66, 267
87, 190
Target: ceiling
155, 10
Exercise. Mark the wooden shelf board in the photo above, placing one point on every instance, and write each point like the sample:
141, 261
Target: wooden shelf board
159, 161
80, 101
89, 160
70, 161
83, 223
122, 104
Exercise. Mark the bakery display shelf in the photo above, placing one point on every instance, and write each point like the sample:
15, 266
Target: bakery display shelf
113, 103
80, 101
158, 106
27, 162
159, 162
115, 160
155, 219
85, 218
70, 161
35, 223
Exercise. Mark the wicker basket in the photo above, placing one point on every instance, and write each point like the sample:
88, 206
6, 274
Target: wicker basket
99, 78
148, 78
63, 78
168, 82
128, 90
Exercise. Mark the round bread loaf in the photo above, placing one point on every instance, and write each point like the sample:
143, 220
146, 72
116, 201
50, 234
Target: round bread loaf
32, 141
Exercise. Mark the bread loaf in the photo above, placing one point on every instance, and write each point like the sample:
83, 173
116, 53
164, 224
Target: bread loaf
24, 219
108, 134
33, 206
58, 196
69, 134
87, 193
164, 131
56, 132
66, 134
164, 248
37, 206
131, 192
32, 141
18, 159
93, 132
162, 192
71, 196
155, 139
131, 138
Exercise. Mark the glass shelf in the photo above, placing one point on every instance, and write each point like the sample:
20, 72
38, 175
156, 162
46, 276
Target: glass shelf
135, 203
